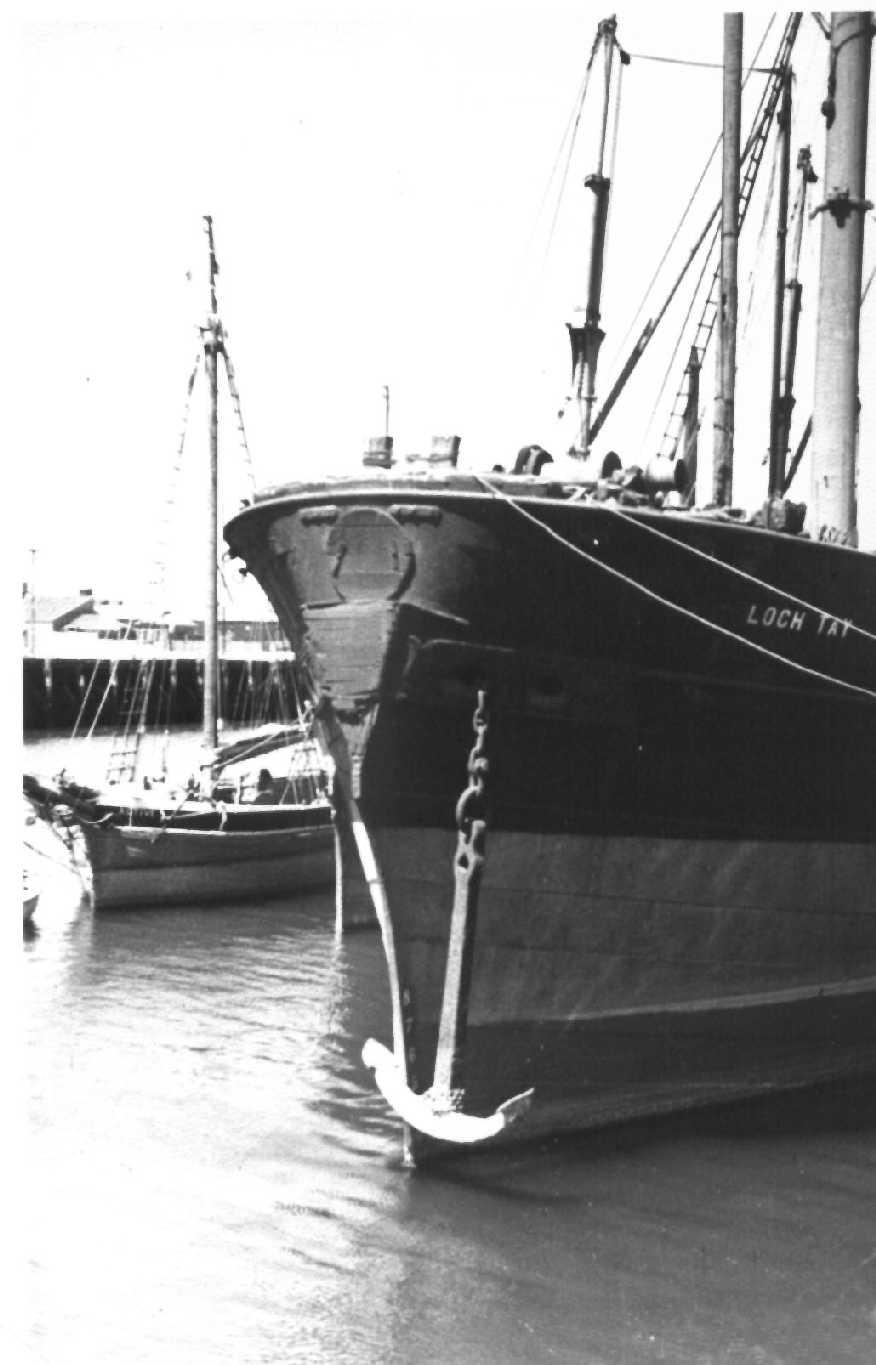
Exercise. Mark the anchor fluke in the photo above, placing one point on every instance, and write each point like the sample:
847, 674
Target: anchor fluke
421, 1111
438, 1111
516, 1107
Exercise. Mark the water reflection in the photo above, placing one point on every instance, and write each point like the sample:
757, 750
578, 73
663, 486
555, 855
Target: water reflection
213, 1178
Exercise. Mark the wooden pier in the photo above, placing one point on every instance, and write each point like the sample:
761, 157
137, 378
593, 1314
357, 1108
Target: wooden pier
59, 691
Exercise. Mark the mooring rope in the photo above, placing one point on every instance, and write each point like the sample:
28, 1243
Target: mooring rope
668, 603
731, 568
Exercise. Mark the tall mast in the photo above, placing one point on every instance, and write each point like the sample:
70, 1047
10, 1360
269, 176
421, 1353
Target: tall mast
793, 303
587, 338
725, 378
777, 432
211, 335
835, 408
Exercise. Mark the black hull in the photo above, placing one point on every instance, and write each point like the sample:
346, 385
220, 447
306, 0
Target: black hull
591, 1073
678, 681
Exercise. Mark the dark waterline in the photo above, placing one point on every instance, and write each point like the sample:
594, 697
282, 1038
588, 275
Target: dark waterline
212, 1178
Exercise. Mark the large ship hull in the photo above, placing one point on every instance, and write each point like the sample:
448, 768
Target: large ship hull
622, 976
678, 901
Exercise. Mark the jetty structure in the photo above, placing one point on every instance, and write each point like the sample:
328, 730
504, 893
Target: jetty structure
608, 755
77, 674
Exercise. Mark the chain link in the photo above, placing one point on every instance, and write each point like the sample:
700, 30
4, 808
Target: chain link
471, 805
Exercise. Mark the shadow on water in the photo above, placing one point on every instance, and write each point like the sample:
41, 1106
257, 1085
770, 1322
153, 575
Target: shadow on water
731, 1234
197, 1095
831, 1108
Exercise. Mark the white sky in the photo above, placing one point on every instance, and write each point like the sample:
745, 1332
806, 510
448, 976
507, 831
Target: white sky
374, 172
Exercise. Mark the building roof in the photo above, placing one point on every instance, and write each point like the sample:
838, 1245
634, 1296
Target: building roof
57, 611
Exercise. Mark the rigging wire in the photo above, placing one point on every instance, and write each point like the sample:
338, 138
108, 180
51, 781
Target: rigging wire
732, 568
673, 359
612, 156
687, 209
651, 327
572, 137
753, 154
158, 578
802, 77
102, 703
159, 566
710, 66
667, 602
574, 116
158, 582
84, 702
748, 310
238, 412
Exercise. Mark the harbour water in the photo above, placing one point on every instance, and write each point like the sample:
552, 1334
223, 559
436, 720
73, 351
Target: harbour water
211, 1178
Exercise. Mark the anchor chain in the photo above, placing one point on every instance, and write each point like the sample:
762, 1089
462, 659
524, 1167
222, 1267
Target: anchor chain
471, 806
439, 1112
447, 1090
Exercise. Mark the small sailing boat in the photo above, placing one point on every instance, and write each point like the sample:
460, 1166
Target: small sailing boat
608, 758
258, 822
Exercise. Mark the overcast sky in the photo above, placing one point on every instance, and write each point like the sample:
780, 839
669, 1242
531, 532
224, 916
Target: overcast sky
375, 173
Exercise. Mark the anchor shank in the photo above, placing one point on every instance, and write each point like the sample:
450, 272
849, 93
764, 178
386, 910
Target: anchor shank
438, 1112
448, 1080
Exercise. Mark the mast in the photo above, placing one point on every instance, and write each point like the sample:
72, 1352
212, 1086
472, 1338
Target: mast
835, 408
725, 378
211, 335
586, 338
793, 305
777, 448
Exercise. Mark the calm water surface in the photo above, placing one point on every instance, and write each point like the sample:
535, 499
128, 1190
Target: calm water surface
213, 1178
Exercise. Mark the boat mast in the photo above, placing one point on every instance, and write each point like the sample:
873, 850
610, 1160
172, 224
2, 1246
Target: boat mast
791, 319
777, 426
725, 377
211, 335
586, 338
835, 408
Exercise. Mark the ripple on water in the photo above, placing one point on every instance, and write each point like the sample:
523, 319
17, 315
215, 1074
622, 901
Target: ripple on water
212, 1178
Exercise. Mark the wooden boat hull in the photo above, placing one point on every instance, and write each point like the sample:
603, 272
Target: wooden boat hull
679, 896
138, 866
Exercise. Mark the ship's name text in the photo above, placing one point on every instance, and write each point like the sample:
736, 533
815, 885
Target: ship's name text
787, 618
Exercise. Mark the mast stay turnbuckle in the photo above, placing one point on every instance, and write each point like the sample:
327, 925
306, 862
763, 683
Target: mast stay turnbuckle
438, 1112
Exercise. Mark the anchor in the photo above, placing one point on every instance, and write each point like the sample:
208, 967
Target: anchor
438, 1112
